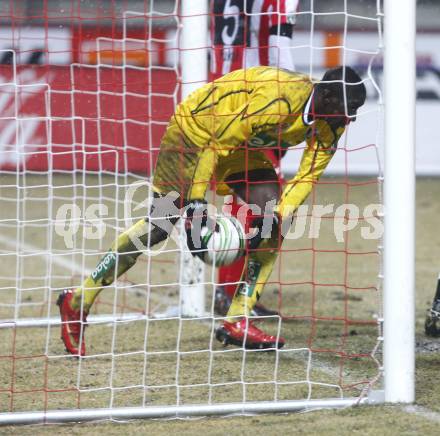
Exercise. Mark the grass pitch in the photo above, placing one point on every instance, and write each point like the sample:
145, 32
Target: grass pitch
327, 291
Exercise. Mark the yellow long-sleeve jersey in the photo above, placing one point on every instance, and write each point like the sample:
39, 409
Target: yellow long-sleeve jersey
256, 108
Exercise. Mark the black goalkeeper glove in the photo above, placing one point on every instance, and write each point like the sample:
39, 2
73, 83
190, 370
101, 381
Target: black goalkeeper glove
266, 227
197, 219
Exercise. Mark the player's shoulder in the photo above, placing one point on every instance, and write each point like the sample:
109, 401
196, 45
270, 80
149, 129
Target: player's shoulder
270, 82
296, 84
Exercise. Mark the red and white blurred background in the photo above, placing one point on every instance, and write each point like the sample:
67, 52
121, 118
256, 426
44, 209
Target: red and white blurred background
61, 104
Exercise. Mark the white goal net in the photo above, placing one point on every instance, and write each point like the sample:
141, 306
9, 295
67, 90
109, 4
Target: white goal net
85, 101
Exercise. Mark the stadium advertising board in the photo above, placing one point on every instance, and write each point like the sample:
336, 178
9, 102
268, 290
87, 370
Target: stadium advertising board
59, 105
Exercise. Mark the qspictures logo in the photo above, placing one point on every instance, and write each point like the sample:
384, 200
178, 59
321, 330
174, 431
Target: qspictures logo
304, 221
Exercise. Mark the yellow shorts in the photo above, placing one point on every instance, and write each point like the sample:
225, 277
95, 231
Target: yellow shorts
178, 163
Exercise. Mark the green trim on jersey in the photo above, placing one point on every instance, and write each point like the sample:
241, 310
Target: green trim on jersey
263, 140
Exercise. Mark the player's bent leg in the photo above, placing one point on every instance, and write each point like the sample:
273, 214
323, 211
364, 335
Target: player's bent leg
123, 255
129, 245
258, 186
237, 329
75, 305
259, 267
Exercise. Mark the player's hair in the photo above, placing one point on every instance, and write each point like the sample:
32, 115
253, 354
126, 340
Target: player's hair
335, 78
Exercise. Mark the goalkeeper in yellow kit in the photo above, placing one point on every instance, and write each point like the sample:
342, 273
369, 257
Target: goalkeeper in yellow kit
217, 134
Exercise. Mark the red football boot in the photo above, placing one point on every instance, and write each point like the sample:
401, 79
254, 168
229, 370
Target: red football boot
73, 323
236, 333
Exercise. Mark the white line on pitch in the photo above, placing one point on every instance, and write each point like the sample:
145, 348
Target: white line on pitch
422, 412
65, 263
58, 260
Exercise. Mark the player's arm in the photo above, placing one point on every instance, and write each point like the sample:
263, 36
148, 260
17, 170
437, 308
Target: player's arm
196, 207
280, 35
318, 153
204, 169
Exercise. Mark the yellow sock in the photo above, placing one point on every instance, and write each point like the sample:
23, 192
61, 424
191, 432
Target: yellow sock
123, 252
259, 267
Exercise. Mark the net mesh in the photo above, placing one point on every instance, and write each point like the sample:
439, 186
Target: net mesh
86, 94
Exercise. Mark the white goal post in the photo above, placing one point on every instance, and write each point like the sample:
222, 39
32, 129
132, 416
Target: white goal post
393, 382
399, 199
194, 46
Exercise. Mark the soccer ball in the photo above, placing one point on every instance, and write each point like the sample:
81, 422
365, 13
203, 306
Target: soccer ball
225, 244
